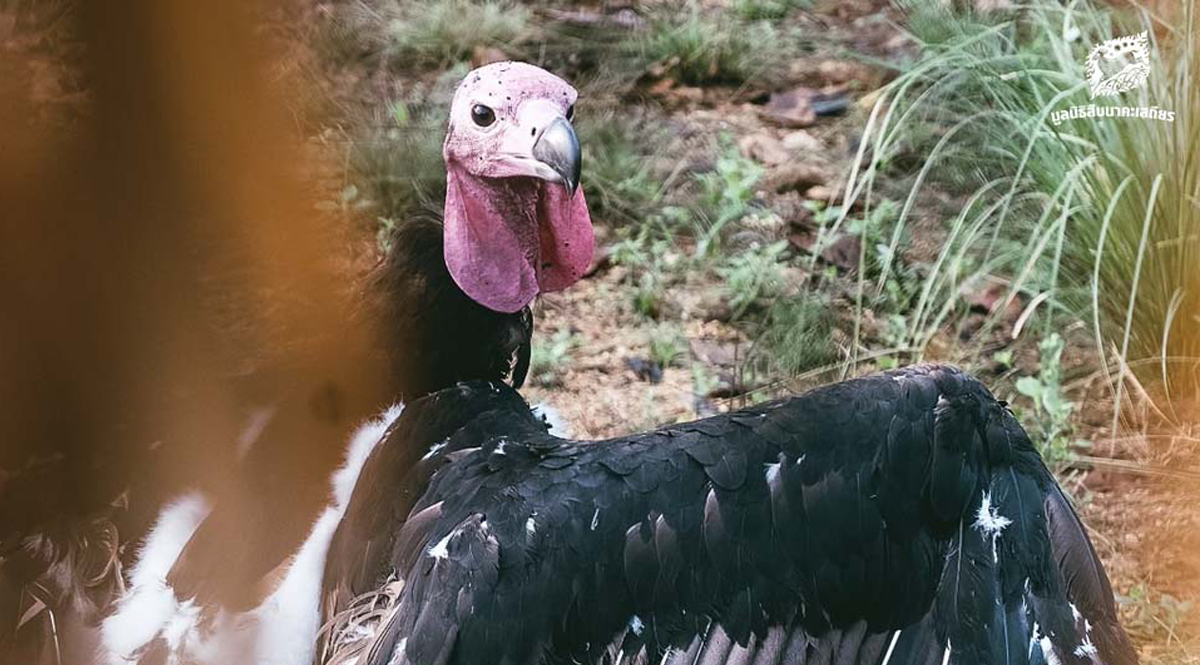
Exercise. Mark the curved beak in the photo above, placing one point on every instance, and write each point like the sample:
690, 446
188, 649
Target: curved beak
558, 148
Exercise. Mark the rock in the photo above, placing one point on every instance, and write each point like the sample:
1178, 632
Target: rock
801, 141
988, 298
714, 307
716, 353
795, 177
645, 369
601, 260
662, 86
763, 148
486, 55
821, 193
843, 252
793, 208
840, 71
688, 93
791, 108
800, 106
764, 223
803, 240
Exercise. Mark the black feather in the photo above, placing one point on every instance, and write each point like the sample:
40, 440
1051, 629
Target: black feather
808, 530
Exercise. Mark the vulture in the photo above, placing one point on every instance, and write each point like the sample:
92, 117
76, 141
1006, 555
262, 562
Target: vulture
899, 518
226, 579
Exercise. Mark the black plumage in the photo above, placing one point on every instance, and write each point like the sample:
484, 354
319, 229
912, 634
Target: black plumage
882, 519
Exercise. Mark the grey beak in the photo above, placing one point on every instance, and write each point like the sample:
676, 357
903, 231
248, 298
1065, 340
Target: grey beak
558, 148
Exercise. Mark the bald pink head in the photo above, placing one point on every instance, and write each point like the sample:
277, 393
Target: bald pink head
516, 223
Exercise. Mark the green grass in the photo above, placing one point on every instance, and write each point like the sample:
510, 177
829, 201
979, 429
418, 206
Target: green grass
395, 159
1093, 219
771, 10
1049, 422
667, 345
699, 46
753, 278
549, 357
795, 336
620, 182
647, 253
443, 32
725, 195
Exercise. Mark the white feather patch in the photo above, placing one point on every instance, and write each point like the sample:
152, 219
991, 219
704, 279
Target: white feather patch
288, 620
441, 549
149, 604
361, 444
772, 473
553, 419
280, 631
1048, 651
1086, 649
991, 522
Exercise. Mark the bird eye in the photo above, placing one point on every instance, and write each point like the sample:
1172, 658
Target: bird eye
571, 112
482, 115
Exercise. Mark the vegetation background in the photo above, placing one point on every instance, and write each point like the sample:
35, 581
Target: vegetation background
790, 192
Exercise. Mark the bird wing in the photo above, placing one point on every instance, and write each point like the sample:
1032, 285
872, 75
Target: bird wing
388, 517
903, 518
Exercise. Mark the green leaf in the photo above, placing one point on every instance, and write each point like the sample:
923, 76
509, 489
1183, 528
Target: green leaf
1031, 388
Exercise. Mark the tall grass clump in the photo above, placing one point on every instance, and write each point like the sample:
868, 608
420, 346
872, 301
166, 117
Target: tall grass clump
702, 47
771, 10
447, 31
621, 182
1096, 219
395, 159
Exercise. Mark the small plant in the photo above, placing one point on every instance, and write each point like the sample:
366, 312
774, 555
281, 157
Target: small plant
448, 31
667, 345
1051, 419
649, 261
549, 357
1159, 619
397, 160
1004, 358
769, 10
754, 276
794, 336
620, 184
696, 47
726, 195
705, 380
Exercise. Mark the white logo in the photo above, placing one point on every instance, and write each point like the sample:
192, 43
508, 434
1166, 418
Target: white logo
1132, 55
1134, 51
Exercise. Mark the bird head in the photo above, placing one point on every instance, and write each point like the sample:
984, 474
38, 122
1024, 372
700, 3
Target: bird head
516, 223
